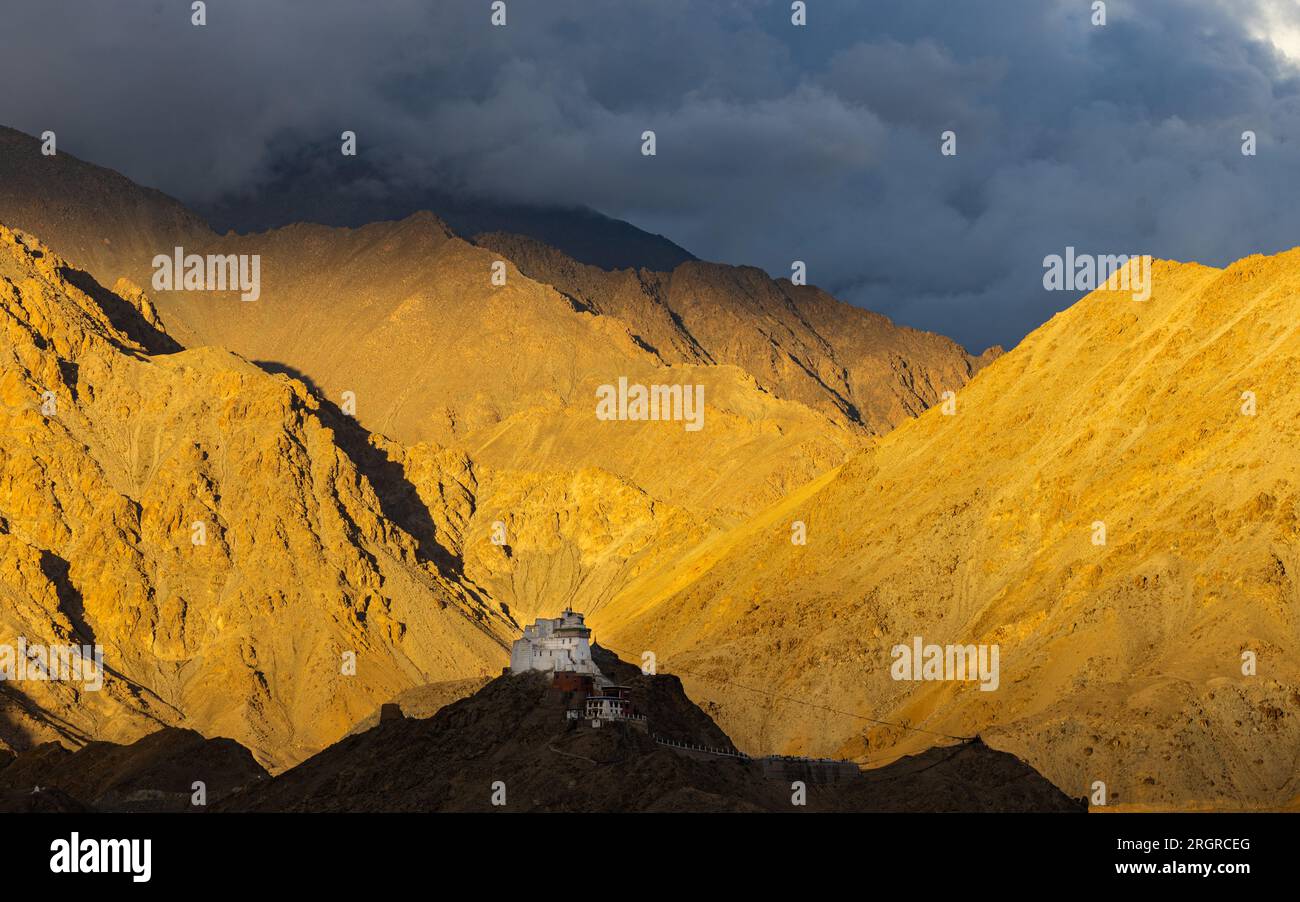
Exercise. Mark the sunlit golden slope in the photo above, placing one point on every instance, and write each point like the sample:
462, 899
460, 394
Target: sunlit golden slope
310, 549
405, 315
499, 381
852, 365
1120, 662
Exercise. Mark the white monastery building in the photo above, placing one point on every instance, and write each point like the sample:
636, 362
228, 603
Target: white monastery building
562, 644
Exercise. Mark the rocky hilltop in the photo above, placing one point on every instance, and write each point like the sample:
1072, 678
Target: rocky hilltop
513, 733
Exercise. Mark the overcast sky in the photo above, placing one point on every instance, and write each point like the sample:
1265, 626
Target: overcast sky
775, 142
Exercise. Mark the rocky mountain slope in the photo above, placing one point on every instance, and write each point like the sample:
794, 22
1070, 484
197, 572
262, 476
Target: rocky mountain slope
1172, 425
414, 291
853, 366
491, 389
224, 536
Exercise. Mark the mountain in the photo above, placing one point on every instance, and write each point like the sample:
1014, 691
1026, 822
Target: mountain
1172, 424
156, 773
509, 373
1111, 504
92, 216
512, 733
224, 536
488, 391
316, 183
853, 366
473, 490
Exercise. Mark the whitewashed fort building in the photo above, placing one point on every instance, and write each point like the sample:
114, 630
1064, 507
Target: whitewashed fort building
558, 645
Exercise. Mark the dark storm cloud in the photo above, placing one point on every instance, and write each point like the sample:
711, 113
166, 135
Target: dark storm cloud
775, 143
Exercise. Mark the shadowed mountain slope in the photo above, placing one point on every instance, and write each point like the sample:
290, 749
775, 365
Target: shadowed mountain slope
155, 773
513, 733
318, 184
